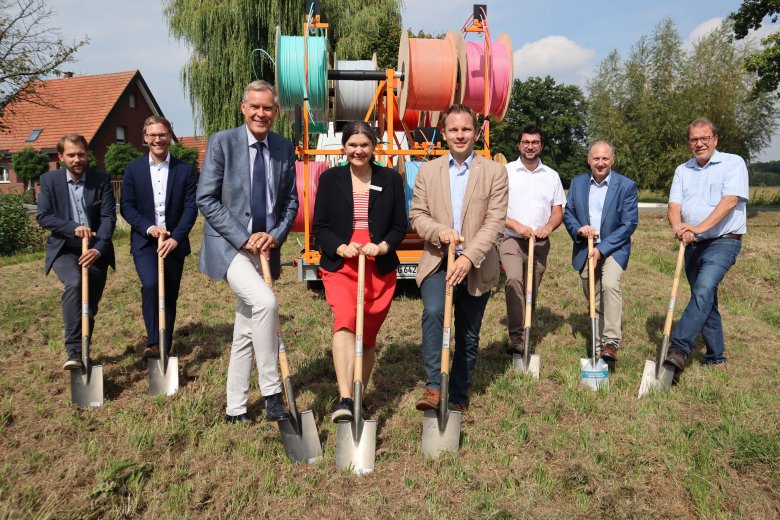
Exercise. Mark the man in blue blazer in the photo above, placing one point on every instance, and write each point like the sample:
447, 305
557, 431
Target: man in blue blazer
158, 198
603, 204
247, 195
74, 203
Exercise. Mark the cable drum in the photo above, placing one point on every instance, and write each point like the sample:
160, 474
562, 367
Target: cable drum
472, 61
352, 99
291, 76
315, 170
430, 69
410, 175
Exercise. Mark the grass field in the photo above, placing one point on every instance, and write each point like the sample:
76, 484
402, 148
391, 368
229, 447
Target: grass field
549, 449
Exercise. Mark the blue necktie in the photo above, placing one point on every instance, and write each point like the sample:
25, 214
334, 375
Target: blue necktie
258, 189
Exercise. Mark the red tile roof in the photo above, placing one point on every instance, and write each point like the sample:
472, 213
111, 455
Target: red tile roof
200, 142
80, 104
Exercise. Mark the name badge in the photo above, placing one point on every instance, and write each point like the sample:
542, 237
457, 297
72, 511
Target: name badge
372, 187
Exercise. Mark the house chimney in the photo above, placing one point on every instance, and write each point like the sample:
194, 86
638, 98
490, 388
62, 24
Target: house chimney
67, 74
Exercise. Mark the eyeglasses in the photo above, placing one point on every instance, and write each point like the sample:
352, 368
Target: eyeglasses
157, 136
704, 140
530, 143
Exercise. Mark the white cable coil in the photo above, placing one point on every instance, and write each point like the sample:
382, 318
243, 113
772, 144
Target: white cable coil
353, 98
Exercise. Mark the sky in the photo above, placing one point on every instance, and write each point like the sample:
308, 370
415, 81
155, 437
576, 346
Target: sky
565, 39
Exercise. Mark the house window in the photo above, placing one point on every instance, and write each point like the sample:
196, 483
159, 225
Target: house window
33, 135
4, 176
131, 99
120, 134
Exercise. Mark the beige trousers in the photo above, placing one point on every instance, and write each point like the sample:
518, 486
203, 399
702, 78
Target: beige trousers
609, 299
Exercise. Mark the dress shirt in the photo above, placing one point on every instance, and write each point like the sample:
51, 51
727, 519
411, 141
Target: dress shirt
532, 195
159, 177
78, 211
700, 188
596, 195
459, 179
270, 218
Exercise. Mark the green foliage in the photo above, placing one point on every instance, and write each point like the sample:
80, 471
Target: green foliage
643, 105
29, 164
766, 62
18, 234
185, 154
223, 34
768, 166
31, 50
559, 110
117, 156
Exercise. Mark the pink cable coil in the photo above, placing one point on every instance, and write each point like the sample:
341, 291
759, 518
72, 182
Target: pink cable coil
474, 93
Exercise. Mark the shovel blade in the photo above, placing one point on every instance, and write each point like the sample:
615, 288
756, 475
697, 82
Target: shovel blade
434, 439
162, 380
304, 446
358, 455
651, 383
534, 363
86, 386
594, 376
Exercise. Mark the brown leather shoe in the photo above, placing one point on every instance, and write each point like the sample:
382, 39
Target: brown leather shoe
609, 353
152, 352
675, 359
459, 407
429, 400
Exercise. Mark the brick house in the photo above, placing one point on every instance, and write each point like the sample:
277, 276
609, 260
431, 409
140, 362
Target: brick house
104, 108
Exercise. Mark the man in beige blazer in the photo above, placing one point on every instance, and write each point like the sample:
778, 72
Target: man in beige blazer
458, 195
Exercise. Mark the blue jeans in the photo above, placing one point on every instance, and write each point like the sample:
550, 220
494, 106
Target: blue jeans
468, 312
706, 263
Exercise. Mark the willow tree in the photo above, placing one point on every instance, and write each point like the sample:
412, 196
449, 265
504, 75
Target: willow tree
223, 33
644, 104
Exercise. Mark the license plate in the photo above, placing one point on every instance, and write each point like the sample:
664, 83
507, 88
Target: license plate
407, 271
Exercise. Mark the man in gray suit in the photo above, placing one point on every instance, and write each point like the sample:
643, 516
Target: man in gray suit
75, 202
247, 195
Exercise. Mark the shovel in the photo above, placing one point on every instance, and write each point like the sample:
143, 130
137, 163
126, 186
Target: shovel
656, 376
356, 439
163, 372
299, 433
595, 374
86, 383
527, 363
441, 428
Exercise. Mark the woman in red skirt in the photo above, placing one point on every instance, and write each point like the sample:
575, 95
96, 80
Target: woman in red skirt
359, 208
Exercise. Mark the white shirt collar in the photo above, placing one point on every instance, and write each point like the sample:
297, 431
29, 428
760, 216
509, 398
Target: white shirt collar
166, 161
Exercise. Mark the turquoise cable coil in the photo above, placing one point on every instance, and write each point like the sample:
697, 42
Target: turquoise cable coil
290, 78
410, 175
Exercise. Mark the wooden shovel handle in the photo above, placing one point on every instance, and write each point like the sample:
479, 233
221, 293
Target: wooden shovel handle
529, 283
675, 286
284, 364
591, 280
445, 347
361, 285
85, 290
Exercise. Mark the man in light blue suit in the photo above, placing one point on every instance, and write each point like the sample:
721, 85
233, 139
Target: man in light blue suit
247, 195
158, 197
603, 204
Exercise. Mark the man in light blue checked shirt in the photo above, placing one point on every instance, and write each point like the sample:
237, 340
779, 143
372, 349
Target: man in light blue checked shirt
707, 212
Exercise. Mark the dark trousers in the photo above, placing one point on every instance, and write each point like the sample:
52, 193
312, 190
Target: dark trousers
68, 270
146, 266
468, 312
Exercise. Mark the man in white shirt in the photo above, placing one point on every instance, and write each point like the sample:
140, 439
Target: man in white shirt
158, 198
535, 209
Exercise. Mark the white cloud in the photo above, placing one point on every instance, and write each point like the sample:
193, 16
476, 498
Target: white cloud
702, 30
563, 59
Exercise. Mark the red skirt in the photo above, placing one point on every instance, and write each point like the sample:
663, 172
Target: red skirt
341, 293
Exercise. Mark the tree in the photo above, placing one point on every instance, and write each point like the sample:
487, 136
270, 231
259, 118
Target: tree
30, 50
559, 110
117, 156
643, 105
223, 35
766, 62
29, 164
185, 154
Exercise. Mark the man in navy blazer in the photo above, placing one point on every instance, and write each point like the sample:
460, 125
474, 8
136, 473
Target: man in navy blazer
603, 204
158, 197
75, 202
247, 195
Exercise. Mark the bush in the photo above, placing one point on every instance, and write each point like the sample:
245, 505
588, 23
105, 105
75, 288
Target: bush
18, 233
117, 156
185, 154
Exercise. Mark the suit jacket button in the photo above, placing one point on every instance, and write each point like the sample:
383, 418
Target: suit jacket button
247, 214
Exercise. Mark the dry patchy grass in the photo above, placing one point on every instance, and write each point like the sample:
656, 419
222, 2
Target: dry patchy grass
547, 449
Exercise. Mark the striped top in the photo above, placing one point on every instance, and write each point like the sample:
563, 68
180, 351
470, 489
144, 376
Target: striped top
360, 213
